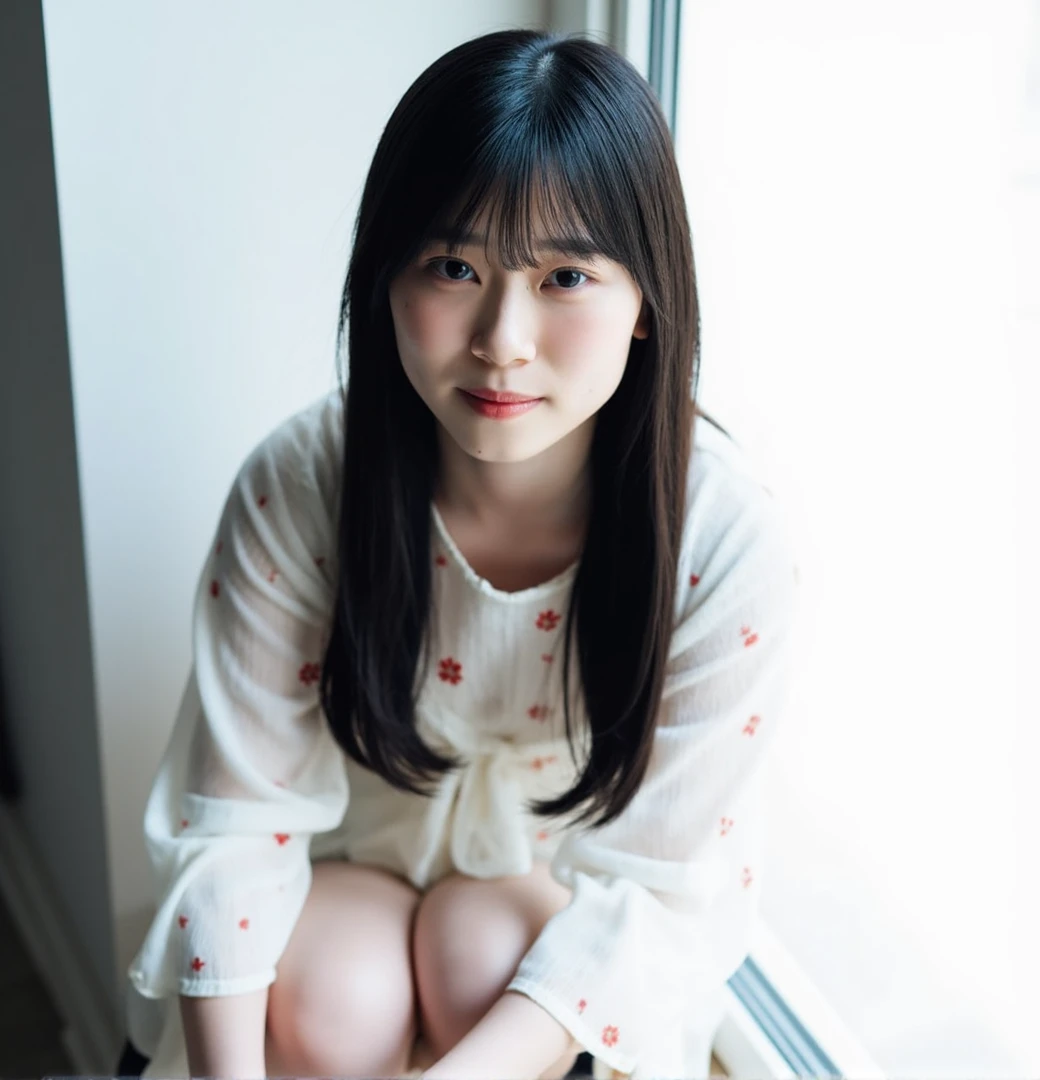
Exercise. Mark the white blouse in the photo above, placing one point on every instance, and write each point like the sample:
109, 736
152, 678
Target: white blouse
252, 786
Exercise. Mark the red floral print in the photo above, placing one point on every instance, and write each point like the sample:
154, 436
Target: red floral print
694, 580
450, 671
547, 657
441, 560
214, 590
184, 823
272, 575
727, 824
547, 620
610, 1035
243, 923
183, 920
282, 837
197, 964
749, 637
581, 1005
749, 727
542, 835
310, 673
746, 877
262, 501
539, 712
539, 763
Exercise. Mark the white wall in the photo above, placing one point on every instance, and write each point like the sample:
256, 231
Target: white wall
209, 162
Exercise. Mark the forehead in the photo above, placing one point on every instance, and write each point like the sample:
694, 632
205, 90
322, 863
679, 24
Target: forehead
518, 226
542, 244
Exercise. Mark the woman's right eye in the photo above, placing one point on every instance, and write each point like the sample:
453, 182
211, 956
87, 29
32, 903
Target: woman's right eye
452, 269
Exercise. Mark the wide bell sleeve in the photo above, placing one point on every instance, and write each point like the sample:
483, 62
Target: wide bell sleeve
664, 897
251, 771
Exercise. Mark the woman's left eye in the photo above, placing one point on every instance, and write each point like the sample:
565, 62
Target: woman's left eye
569, 282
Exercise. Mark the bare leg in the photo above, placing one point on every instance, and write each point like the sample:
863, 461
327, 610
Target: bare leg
343, 1000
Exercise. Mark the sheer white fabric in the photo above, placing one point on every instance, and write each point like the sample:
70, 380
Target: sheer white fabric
665, 896
252, 787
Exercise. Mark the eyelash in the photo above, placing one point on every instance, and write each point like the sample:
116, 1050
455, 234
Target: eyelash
434, 263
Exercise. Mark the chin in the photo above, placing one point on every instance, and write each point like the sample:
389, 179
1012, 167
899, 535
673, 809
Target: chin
505, 450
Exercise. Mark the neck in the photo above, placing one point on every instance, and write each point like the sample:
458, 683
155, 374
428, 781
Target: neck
550, 492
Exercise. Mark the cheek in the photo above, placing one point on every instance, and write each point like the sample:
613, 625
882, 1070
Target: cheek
593, 343
425, 327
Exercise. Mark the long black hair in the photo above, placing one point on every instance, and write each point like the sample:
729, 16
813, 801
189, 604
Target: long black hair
497, 124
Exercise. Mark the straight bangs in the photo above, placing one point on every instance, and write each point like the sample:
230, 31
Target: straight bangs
533, 198
536, 160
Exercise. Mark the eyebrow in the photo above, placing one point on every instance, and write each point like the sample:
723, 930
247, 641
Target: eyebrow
580, 246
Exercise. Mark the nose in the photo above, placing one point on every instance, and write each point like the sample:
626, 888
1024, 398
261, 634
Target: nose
505, 330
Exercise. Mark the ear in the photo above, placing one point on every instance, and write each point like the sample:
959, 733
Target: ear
642, 327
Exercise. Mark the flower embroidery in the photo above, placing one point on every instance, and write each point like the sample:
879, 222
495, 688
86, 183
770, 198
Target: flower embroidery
749, 637
727, 824
610, 1035
547, 620
281, 837
749, 727
183, 920
441, 560
243, 923
310, 673
450, 671
197, 964
542, 835
214, 590
581, 1005
184, 823
746, 877
262, 501
272, 575
694, 580
538, 712
547, 657
540, 762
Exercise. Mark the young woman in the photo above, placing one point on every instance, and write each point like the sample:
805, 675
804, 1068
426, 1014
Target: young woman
490, 646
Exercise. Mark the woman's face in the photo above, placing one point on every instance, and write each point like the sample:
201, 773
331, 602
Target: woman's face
558, 333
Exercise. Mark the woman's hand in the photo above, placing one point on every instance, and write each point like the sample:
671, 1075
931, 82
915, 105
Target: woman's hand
515, 1040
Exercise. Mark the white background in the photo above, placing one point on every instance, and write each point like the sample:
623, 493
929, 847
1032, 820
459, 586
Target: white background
860, 180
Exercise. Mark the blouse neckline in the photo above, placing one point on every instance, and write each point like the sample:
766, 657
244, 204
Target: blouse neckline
485, 586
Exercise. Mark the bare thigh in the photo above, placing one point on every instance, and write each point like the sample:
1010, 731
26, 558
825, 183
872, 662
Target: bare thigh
343, 1001
470, 936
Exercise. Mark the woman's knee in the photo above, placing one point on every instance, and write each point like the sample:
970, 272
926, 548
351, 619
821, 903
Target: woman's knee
343, 1000
470, 936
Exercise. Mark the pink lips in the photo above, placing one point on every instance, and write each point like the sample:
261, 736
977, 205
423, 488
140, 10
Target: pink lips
500, 397
500, 406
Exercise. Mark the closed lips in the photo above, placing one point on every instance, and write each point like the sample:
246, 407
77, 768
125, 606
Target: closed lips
501, 397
